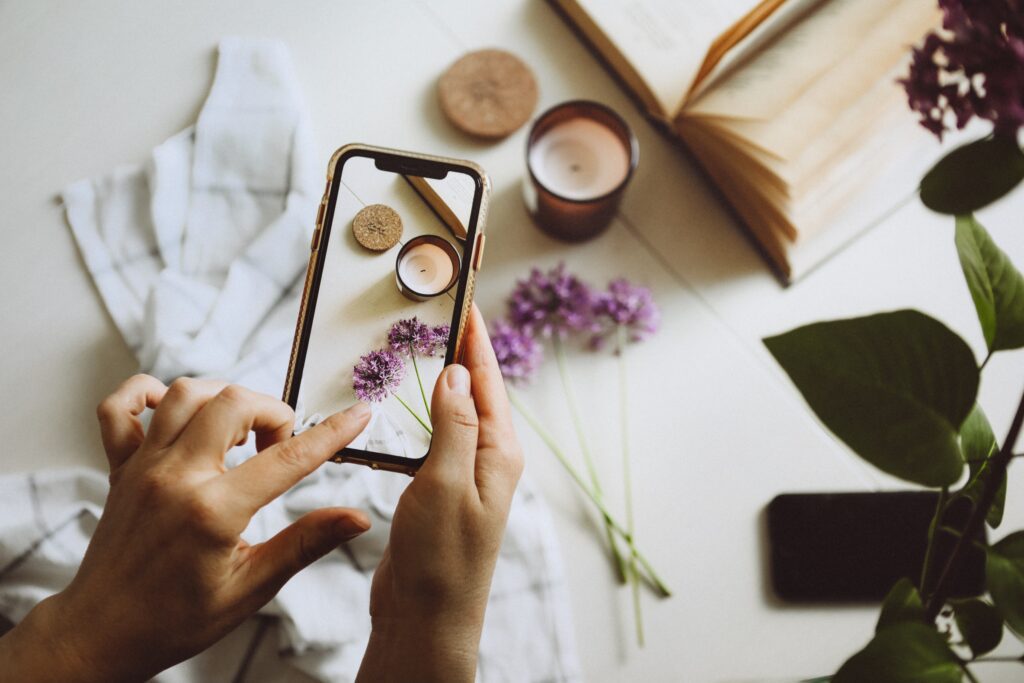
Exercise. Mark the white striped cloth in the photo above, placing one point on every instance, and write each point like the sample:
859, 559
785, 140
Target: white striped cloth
198, 254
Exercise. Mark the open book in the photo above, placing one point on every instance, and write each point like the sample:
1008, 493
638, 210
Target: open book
790, 106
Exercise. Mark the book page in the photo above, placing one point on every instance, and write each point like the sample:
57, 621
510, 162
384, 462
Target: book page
665, 41
790, 130
778, 75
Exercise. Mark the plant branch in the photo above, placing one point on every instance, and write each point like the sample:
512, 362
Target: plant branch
414, 414
627, 481
570, 397
423, 394
549, 441
985, 362
997, 473
940, 510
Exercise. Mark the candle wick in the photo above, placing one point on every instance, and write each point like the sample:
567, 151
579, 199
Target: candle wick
574, 168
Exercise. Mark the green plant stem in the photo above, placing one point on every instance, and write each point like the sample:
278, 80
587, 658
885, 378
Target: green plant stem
968, 672
414, 414
570, 398
997, 474
940, 510
998, 658
426, 404
549, 441
985, 362
627, 482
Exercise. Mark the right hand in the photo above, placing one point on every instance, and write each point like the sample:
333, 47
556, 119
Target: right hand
430, 590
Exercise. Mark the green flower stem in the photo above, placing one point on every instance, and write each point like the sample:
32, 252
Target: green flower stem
627, 481
426, 404
570, 397
940, 510
414, 414
549, 441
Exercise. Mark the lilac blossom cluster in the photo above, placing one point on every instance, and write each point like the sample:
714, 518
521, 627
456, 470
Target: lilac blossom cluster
973, 67
518, 353
552, 304
626, 306
412, 336
556, 304
377, 375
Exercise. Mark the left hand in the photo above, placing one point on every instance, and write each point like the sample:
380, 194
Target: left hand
167, 573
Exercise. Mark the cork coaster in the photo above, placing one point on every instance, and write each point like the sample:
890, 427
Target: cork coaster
488, 93
377, 227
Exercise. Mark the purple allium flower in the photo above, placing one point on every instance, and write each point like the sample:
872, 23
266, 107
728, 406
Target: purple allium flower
626, 304
377, 374
973, 67
518, 353
439, 339
413, 336
549, 304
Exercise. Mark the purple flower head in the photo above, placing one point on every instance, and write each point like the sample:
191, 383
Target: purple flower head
628, 305
518, 353
377, 374
439, 339
553, 304
973, 67
413, 336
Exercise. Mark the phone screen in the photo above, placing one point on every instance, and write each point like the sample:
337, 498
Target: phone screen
392, 271
834, 547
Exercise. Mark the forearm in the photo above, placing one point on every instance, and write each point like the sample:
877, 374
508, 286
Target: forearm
425, 651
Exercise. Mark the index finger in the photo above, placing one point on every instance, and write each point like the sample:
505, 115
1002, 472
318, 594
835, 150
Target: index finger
271, 472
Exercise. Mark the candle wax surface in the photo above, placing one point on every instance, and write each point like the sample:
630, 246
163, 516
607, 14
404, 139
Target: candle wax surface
579, 159
426, 269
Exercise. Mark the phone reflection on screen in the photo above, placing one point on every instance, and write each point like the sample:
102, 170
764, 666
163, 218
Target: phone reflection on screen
393, 254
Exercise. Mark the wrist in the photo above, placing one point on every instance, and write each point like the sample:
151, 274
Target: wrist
43, 648
436, 647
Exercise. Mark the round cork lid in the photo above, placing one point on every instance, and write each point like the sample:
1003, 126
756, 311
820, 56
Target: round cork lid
488, 93
377, 227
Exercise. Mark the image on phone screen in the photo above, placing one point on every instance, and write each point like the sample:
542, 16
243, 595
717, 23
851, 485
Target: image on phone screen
393, 256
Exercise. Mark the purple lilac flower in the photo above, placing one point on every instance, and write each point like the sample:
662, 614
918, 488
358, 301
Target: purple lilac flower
377, 374
518, 353
973, 67
628, 305
552, 304
414, 336
439, 339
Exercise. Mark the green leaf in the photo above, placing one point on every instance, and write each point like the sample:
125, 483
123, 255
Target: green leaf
973, 175
996, 286
902, 604
978, 444
895, 387
1004, 571
980, 624
903, 653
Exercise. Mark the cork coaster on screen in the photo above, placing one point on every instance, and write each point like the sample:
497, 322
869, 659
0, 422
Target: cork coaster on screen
377, 227
488, 93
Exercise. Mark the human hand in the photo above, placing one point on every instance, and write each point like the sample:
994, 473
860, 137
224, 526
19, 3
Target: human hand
430, 590
166, 573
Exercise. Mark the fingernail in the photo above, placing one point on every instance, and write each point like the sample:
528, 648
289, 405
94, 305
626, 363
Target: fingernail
350, 527
458, 379
358, 410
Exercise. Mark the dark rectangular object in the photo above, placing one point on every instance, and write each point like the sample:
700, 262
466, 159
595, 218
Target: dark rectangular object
852, 547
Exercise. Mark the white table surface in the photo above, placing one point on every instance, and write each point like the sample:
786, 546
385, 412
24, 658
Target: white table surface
718, 430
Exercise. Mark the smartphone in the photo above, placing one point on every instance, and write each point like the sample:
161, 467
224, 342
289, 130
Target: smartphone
397, 246
852, 547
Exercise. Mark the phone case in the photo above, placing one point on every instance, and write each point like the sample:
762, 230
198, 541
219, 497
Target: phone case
463, 297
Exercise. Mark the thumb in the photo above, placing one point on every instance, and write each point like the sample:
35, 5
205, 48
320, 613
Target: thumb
452, 454
302, 543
